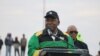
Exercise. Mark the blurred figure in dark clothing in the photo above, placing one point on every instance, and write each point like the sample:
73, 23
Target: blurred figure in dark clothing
72, 31
16, 46
23, 45
8, 43
1, 43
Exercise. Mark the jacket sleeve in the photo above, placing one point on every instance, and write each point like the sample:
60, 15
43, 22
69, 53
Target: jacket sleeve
33, 46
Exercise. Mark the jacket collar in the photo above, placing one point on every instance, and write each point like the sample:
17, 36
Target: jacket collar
59, 33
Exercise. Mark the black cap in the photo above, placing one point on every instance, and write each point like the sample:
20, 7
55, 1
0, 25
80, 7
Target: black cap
52, 14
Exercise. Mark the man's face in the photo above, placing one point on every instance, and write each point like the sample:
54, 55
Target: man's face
73, 33
51, 23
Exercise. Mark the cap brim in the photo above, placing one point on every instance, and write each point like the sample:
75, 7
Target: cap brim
50, 16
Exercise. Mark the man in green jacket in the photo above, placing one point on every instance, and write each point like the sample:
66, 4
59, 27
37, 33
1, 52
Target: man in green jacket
51, 36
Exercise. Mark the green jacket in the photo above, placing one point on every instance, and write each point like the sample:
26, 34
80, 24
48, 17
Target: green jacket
39, 40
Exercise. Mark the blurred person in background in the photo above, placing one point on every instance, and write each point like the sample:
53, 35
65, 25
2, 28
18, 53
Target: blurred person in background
73, 32
8, 43
23, 45
1, 43
16, 46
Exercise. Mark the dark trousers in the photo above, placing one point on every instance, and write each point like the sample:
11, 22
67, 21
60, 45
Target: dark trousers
22, 51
